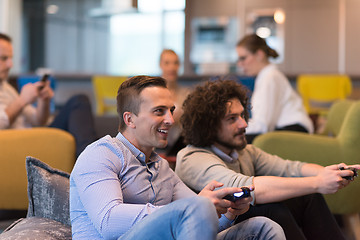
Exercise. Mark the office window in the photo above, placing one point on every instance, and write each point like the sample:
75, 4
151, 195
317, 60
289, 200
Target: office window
137, 39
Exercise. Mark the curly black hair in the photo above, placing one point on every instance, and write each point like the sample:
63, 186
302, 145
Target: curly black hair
206, 106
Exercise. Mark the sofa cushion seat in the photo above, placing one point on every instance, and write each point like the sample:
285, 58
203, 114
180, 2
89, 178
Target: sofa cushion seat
32, 228
48, 211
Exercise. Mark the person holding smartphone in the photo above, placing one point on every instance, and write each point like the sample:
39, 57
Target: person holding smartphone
16, 110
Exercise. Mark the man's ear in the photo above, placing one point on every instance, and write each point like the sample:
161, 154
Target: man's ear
128, 118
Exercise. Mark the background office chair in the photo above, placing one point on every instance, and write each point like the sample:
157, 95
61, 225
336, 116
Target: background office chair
340, 142
54, 146
319, 91
105, 89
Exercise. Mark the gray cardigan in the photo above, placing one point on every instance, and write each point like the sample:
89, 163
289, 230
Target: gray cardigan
198, 166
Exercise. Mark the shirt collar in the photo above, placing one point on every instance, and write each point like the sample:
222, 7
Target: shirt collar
137, 153
233, 155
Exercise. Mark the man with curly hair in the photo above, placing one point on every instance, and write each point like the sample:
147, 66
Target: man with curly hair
289, 192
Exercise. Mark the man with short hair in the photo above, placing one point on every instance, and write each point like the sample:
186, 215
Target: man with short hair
214, 123
16, 110
121, 189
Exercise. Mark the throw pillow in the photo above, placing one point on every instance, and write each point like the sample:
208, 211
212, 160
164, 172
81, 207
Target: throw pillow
48, 191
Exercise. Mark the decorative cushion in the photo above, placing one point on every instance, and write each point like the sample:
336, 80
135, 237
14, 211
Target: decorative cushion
36, 228
48, 191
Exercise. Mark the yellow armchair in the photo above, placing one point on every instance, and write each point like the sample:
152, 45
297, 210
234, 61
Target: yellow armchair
53, 146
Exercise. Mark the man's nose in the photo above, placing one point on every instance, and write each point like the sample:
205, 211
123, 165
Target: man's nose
169, 119
242, 123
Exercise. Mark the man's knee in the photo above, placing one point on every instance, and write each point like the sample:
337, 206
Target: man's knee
316, 197
269, 228
79, 101
80, 98
253, 228
200, 205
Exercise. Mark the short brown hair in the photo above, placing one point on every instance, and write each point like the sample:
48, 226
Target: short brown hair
5, 37
205, 107
128, 99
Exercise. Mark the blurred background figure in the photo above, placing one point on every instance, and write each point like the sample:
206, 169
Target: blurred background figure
170, 65
275, 104
17, 111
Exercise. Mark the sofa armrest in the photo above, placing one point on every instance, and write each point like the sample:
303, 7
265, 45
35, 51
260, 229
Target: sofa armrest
53, 146
304, 147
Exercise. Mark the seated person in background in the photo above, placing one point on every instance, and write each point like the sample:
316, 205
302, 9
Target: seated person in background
275, 104
121, 189
288, 192
169, 65
16, 110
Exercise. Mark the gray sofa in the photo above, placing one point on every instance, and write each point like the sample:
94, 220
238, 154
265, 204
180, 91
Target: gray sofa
48, 212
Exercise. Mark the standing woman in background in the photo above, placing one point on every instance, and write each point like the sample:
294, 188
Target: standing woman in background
275, 104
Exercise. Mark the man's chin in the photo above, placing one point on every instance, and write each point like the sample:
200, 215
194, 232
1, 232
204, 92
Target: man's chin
241, 146
162, 144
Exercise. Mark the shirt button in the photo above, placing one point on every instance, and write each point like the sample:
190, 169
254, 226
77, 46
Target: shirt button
141, 155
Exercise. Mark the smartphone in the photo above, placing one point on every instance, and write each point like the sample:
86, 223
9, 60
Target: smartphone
239, 195
44, 78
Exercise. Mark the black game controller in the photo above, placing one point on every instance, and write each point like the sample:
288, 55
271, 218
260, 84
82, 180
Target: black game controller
350, 177
236, 196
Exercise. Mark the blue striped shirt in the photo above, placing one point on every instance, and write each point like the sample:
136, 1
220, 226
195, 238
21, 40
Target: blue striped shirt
112, 188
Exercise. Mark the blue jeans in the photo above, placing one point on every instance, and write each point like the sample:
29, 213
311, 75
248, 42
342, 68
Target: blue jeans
182, 219
196, 218
253, 228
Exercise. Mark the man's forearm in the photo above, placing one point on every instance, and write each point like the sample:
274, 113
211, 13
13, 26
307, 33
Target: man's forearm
14, 109
311, 169
274, 189
43, 112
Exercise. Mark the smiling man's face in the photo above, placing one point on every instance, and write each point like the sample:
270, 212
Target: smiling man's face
154, 119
